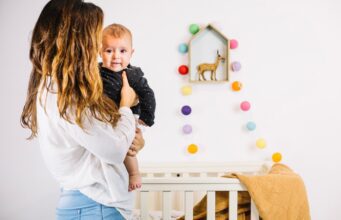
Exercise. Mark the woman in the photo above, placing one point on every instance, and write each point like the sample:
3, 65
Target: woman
84, 137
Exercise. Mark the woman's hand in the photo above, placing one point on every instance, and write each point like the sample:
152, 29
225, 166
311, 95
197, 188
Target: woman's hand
128, 95
138, 143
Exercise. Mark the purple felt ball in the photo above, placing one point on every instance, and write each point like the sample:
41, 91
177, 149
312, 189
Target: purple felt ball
186, 110
236, 66
187, 129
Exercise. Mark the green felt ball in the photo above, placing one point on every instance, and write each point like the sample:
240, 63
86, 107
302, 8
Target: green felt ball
194, 28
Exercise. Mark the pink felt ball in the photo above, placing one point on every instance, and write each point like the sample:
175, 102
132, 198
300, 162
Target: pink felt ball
233, 44
245, 106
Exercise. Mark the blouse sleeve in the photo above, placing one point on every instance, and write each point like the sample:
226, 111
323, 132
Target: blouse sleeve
109, 144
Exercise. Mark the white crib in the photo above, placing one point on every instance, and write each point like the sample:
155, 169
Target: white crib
169, 186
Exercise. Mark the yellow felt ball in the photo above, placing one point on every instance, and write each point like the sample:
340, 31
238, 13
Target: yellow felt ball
276, 157
186, 90
192, 148
261, 143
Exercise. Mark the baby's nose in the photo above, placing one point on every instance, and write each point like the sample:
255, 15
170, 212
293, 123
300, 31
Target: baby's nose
116, 55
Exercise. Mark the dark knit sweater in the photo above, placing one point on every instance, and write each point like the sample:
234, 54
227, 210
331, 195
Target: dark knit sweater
112, 84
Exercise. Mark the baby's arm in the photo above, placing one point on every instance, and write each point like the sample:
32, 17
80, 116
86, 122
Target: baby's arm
146, 99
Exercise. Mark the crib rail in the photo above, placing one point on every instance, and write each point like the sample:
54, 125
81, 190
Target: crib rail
204, 168
190, 185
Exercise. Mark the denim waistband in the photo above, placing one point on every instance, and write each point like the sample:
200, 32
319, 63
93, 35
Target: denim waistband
74, 199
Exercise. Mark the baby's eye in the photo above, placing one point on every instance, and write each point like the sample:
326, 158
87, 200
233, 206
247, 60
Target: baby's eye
108, 51
123, 51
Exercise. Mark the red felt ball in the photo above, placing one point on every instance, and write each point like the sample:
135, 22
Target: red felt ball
183, 69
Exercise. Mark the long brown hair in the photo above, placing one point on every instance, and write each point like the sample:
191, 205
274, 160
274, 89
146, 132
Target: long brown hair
64, 46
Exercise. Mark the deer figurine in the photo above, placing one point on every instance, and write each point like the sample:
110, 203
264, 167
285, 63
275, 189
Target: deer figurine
210, 67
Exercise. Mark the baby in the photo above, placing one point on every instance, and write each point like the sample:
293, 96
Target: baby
116, 53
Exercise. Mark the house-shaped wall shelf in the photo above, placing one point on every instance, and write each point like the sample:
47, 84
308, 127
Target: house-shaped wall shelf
209, 52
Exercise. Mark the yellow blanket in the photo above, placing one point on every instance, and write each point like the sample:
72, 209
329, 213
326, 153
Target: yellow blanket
278, 195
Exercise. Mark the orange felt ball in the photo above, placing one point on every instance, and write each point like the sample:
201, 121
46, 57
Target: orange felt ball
236, 86
277, 157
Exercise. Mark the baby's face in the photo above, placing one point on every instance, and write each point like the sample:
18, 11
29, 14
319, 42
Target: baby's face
116, 52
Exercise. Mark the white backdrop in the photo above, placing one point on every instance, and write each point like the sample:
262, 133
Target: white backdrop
289, 51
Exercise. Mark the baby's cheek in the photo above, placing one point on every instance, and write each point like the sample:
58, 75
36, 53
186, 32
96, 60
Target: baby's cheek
106, 64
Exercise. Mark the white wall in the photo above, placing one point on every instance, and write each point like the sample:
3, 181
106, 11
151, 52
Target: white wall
288, 51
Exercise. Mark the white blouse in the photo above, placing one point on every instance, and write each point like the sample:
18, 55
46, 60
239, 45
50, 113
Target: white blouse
91, 160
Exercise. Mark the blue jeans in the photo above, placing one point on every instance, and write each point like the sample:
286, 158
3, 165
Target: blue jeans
73, 205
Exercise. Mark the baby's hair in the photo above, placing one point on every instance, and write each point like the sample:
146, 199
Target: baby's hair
117, 31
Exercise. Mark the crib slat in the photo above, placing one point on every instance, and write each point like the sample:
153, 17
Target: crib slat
188, 205
210, 205
254, 211
178, 200
166, 205
144, 204
233, 199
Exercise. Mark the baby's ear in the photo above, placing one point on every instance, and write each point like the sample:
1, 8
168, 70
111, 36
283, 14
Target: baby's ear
132, 51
